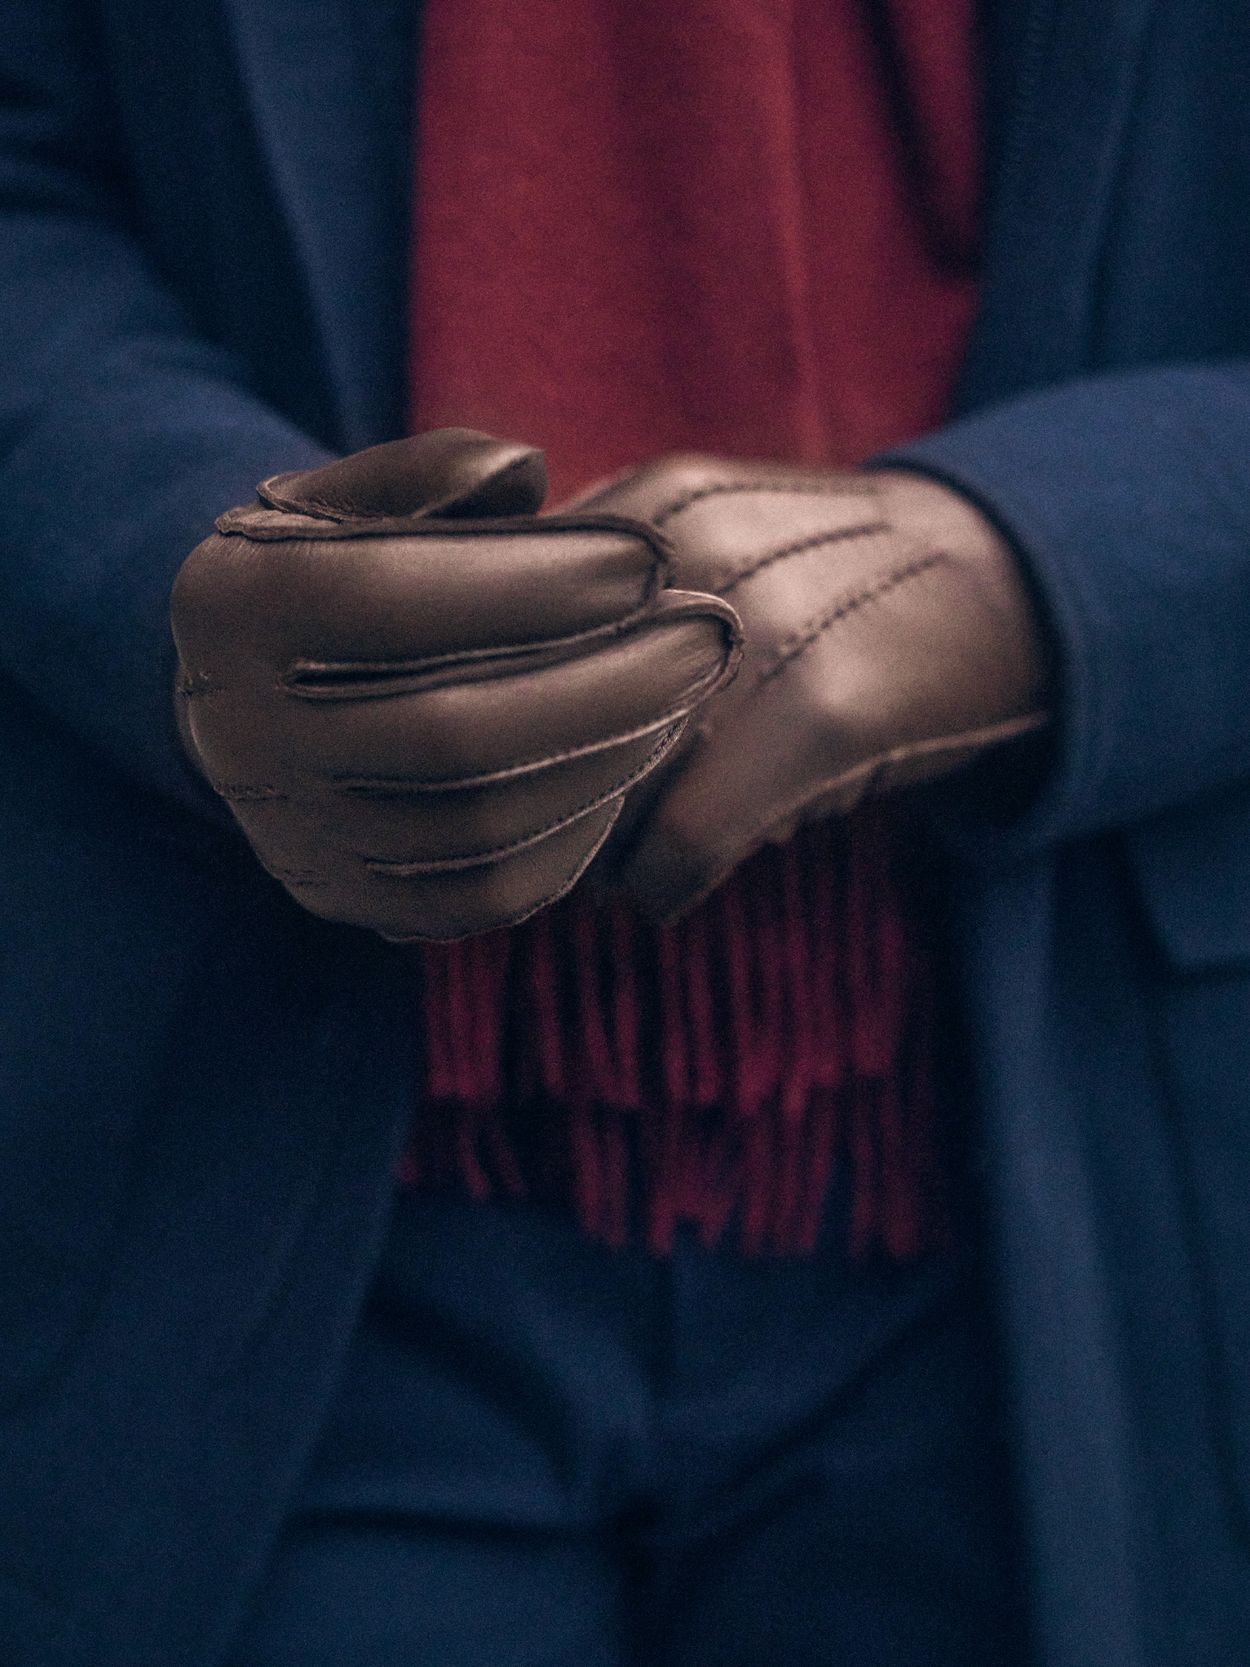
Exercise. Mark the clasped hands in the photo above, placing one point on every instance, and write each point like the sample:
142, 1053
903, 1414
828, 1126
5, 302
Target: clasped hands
431, 708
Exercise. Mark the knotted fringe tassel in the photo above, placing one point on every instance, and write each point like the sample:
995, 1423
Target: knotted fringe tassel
726, 1073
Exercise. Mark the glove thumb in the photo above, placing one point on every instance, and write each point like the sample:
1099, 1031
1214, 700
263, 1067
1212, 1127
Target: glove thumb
449, 472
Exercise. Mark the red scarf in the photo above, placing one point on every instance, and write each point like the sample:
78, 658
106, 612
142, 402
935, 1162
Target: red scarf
745, 228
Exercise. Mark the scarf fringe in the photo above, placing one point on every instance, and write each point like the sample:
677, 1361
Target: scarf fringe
727, 1073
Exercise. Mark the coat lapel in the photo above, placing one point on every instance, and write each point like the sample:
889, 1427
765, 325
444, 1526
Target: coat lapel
1071, 67
329, 107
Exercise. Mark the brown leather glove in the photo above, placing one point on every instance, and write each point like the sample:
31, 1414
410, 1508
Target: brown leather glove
889, 638
423, 703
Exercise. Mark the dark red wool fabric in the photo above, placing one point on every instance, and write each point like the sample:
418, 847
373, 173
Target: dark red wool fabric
746, 228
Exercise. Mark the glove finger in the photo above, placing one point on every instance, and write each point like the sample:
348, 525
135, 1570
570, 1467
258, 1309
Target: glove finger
447, 471
403, 831
733, 786
375, 603
458, 903
398, 829
515, 721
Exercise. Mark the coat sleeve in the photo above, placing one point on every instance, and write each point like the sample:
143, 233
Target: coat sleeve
1128, 499
123, 431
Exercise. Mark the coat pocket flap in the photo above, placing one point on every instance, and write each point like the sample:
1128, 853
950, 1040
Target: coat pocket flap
1193, 874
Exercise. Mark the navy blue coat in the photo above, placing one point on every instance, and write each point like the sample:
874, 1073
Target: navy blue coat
202, 1088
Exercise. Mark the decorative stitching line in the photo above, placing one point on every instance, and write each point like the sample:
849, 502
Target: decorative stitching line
243, 793
258, 524
693, 697
796, 488
790, 651
318, 509
560, 889
800, 547
362, 680
474, 859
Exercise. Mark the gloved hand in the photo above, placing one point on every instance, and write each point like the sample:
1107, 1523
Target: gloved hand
422, 702
889, 639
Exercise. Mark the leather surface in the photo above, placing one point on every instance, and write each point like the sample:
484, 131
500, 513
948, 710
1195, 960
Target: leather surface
889, 639
422, 701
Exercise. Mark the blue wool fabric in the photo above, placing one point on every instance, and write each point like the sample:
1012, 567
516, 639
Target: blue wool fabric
544, 1451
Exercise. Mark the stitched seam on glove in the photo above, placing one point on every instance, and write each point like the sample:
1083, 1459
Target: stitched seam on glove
798, 645
193, 684
560, 889
835, 535
322, 509
443, 784
400, 787
871, 773
473, 859
258, 525
243, 793
301, 678
805, 489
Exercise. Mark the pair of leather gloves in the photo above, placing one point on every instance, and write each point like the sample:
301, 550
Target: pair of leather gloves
429, 706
